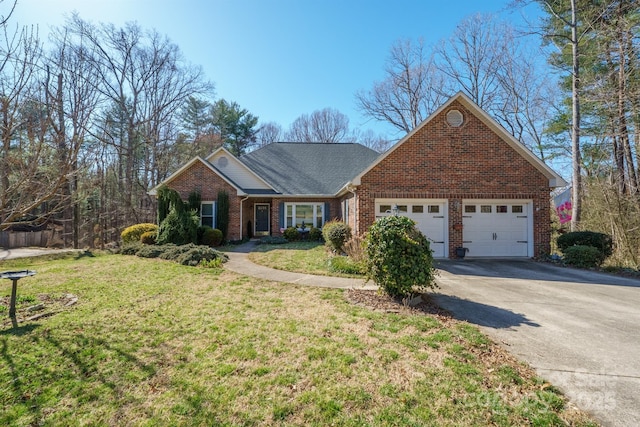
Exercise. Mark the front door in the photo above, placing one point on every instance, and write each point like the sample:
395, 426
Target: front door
262, 219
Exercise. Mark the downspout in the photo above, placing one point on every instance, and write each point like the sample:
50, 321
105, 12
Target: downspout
352, 190
242, 200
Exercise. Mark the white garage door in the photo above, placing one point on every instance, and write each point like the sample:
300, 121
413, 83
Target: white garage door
497, 228
430, 217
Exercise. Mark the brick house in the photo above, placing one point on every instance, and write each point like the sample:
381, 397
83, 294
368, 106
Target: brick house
459, 174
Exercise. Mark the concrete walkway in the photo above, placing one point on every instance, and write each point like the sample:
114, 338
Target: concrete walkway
14, 253
239, 262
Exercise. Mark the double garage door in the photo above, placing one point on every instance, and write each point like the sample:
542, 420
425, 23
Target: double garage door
491, 228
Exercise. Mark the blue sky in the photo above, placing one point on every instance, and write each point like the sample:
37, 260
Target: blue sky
281, 58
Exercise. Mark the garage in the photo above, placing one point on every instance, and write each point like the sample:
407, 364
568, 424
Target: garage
430, 216
497, 228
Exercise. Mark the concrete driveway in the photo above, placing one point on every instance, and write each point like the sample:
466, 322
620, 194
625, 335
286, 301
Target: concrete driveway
579, 329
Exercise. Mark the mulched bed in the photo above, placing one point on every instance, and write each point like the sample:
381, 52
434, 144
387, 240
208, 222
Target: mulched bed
379, 301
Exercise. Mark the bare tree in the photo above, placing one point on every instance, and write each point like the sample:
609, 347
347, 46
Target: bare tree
372, 140
31, 174
410, 91
4, 18
327, 125
473, 57
268, 133
71, 100
143, 81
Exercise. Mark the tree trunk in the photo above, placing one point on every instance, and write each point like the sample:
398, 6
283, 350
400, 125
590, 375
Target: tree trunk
575, 134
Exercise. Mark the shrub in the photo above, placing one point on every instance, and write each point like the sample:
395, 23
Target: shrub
213, 263
315, 234
150, 251
216, 237
189, 254
149, 237
133, 233
209, 236
336, 233
354, 248
398, 257
131, 248
172, 252
291, 234
196, 254
222, 212
583, 256
179, 227
343, 264
602, 242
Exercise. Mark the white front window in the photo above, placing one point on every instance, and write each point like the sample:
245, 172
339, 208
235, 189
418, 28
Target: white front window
309, 214
208, 214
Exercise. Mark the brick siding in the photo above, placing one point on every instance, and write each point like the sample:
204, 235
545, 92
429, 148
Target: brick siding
468, 162
198, 177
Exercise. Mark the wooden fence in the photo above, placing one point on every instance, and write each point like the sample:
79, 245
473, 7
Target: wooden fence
20, 239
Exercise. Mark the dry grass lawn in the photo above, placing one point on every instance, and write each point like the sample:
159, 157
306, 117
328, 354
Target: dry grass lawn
151, 343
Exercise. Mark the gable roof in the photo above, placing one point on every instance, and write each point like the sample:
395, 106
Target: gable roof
555, 180
228, 164
309, 169
154, 190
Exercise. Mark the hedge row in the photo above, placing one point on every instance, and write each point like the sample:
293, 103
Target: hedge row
188, 254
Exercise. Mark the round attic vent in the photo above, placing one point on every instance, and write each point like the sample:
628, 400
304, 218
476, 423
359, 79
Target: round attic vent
455, 118
223, 161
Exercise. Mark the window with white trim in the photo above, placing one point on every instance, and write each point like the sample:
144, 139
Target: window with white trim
208, 214
309, 214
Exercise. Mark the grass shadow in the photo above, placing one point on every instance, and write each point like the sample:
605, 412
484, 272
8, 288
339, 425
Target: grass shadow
83, 254
19, 330
481, 314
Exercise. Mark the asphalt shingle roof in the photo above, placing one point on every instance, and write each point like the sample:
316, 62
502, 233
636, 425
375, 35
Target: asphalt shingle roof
309, 168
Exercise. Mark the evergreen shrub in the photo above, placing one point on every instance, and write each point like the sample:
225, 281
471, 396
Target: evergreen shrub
398, 257
336, 233
133, 233
315, 234
291, 234
149, 237
583, 256
602, 242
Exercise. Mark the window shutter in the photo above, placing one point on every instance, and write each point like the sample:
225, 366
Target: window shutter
281, 214
327, 212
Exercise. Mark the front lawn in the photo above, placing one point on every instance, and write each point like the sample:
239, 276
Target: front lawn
151, 342
299, 257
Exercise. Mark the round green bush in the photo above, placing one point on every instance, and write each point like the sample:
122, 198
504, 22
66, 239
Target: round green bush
216, 237
398, 257
315, 234
336, 233
133, 233
291, 234
583, 256
149, 237
209, 236
602, 242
